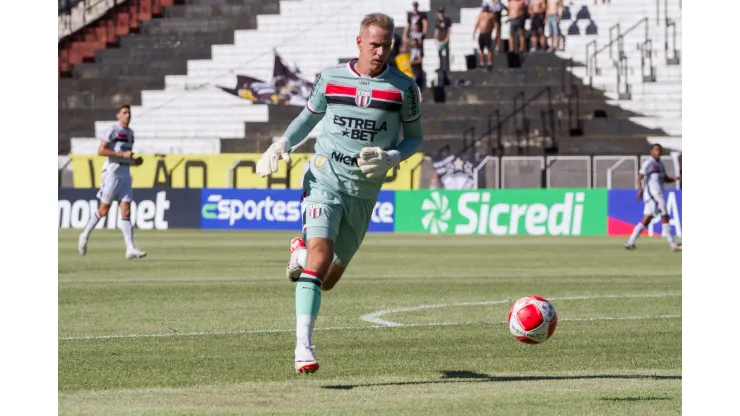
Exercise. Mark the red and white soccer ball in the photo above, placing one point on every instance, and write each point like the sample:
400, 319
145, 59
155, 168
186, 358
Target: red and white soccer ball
532, 320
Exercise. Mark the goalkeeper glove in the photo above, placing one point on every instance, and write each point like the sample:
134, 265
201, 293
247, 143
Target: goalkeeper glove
268, 163
375, 162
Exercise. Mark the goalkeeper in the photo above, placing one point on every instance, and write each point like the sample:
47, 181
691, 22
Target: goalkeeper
364, 105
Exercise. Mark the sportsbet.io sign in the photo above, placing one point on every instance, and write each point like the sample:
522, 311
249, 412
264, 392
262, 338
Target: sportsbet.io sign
502, 212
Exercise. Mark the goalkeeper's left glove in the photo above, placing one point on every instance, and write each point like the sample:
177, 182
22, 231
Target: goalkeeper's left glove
375, 162
268, 163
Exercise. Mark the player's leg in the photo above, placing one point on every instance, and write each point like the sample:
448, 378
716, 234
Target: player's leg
666, 232
323, 214
648, 214
349, 239
126, 194
106, 194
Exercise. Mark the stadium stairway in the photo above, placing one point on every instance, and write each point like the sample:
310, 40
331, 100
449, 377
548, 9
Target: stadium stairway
141, 62
191, 114
650, 72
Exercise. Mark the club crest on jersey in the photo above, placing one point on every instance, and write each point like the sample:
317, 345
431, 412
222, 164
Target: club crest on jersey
363, 98
320, 161
314, 210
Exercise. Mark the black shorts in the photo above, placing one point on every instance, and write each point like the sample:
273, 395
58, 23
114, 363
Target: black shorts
537, 26
516, 25
485, 41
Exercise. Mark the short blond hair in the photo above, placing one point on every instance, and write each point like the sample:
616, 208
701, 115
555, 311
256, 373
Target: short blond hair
382, 20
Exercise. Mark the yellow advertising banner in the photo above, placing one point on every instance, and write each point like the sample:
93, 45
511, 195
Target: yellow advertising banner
226, 170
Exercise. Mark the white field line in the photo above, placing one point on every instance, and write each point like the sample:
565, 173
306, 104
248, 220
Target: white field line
393, 324
375, 317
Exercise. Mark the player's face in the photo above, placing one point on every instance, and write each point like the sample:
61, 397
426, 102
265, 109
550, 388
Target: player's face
655, 152
124, 116
375, 45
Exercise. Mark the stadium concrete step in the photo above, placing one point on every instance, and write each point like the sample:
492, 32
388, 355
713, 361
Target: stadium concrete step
144, 56
181, 25
158, 68
175, 41
208, 11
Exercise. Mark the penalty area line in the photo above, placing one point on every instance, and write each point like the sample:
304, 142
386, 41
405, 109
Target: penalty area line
375, 317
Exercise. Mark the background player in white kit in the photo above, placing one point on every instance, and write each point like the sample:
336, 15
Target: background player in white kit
650, 183
116, 145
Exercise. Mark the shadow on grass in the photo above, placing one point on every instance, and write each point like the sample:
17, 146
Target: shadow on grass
473, 377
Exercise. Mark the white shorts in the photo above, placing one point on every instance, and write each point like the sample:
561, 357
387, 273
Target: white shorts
655, 207
115, 188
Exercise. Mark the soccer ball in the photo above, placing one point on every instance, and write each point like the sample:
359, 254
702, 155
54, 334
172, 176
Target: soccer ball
532, 320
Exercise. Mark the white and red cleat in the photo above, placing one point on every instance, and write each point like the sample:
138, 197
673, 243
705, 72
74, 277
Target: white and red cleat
294, 268
305, 361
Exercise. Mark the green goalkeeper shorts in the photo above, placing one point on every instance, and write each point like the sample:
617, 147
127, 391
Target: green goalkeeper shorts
337, 216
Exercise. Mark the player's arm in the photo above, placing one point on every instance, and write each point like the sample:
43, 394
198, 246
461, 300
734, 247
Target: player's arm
374, 161
298, 129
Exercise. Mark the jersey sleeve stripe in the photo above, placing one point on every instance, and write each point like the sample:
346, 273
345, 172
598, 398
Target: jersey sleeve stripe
311, 110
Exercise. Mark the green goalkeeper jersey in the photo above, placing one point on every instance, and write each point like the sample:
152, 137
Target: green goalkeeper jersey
360, 111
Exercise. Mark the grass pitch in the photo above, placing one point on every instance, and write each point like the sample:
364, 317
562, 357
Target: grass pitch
205, 326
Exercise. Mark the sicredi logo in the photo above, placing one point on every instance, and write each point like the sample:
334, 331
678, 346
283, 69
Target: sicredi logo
561, 218
267, 209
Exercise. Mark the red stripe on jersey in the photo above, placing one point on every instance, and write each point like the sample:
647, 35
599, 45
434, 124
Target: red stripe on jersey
388, 95
124, 135
338, 89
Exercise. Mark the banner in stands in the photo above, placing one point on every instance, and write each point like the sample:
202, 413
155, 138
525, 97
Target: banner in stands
503, 212
285, 88
455, 171
625, 211
153, 209
222, 171
273, 209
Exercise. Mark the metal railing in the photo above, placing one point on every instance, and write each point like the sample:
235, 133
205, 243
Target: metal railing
521, 122
592, 66
575, 124
646, 49
623, 75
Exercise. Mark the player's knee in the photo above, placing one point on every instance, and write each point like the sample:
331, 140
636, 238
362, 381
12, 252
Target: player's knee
125, 210
320, 255
103, 209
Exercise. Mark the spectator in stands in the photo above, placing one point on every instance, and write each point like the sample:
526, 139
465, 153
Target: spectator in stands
554, 14
442, 35
403, 60
395, 50
414, 17
517, 18
497, 7
484, 24
416, 52
537, 9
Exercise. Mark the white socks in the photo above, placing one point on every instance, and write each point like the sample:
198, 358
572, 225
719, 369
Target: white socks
128, 232
639, 228
304, 329
668, 234
91, 223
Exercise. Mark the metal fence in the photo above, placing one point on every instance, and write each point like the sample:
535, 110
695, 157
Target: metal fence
509, 172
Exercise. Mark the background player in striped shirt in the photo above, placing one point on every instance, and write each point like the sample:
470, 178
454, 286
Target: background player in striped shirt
650, 182
364, 105
115, 183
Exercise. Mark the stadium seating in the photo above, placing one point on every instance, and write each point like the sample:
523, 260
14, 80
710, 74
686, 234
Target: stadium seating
172, 73
657, 98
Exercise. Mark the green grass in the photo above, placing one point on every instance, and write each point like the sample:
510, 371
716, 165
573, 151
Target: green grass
616, 351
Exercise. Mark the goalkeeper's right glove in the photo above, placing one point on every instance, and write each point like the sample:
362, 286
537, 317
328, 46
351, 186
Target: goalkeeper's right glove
268, 163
